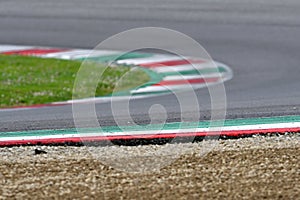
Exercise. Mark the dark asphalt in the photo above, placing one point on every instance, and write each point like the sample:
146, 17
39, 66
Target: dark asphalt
258, 39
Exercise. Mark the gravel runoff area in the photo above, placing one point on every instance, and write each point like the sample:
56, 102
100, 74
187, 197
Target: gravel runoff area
256, 167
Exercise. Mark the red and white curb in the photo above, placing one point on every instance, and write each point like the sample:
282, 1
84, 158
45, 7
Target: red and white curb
177, 74
238, 128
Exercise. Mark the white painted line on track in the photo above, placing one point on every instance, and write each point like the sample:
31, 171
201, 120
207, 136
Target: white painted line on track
67, 55
188, 77
5, 48
154, 58
258, 127
188, 67
169, 88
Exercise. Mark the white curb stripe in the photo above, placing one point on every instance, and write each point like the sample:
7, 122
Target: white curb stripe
79, 54
166, 88
179, 68
154, 58
156, 132
66, 55
188, 77
6, 48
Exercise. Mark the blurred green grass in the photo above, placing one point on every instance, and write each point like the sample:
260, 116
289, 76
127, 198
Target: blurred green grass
31, 80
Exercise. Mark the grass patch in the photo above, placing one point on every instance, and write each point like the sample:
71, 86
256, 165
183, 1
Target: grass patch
31, 80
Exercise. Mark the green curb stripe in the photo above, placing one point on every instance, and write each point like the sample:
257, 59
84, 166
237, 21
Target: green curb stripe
196, 72
167, 126
155, 77
153, 93
115, 57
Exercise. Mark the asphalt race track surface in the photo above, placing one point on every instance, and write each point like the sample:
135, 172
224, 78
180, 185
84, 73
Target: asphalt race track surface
259, 40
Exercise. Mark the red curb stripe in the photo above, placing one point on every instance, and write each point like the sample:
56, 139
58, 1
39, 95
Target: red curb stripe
187, 81
172, 63
36, 51
238, 133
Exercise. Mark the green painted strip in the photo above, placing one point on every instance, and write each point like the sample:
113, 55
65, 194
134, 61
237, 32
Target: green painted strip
152, 93
167, 126
115, 57
196, 72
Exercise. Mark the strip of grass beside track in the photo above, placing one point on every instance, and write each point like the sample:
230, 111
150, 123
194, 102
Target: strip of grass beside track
30, 80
